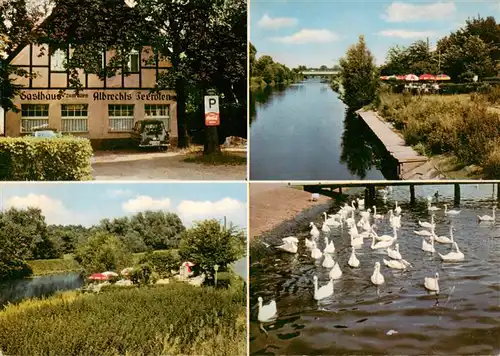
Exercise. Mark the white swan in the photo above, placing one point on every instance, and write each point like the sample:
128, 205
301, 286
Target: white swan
394, 253
353, 260
375, 215
397, 209
267, 313
423, 232
323, 292
487, 217
365, 214
396, 264
453, 256
332, 220
328, 220
335, 272
290, 239
377, 278
394, 221
310, 243
381, 244
289, 247
351, 220
428, 247
356, 241
383, 237
328, 262
450, 212
314, 230
330, 248
427, 225
316, 253
361, 204
432, 283
325, 228
445, 239
432, 208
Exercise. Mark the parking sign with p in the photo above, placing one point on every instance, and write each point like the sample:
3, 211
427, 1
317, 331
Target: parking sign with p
212, 115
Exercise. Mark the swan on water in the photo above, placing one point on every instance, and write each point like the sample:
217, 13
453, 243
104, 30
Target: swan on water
487, 217
351, 220
430, 207
445, 239
423, 232
427, 225
394, 253
268, 312
383, 237
365, 214
361, 204
353, 260
377, 278
332, 220
356, 241
289, 247
335, 272
323, 292
325, 227
314, 230
396, 264
432, 283
453, 256
450, 212
381, 244
375, 215
316, 253
397, 209
330, 247
290, 239
310, 243
328, 262
428, 247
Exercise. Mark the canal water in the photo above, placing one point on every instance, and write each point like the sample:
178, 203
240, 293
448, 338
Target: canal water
16, 290
463, 319
303, 132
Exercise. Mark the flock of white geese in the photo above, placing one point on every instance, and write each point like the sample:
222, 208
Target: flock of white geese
365, 228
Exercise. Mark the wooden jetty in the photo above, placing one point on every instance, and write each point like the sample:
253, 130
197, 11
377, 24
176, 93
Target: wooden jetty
406, 156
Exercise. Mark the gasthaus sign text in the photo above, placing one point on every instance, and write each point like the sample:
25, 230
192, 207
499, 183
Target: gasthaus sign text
212, 115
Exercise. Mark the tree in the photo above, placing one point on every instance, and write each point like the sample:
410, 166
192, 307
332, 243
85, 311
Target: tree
359, 76
158, 229
103, 252
208, 243
323, 67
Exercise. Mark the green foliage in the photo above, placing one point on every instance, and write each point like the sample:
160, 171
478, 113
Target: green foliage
103, 252
162, 262
359, 76
142, 274
155, 320
52, 266
28, 158
207, 244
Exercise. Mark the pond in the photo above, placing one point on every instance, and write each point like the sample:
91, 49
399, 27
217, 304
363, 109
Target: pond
463, 319
304, 132
41, 286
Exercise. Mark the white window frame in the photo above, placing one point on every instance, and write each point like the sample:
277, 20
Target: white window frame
59, 56
121, 122
28, 123
80, 122
164, 118
129, 63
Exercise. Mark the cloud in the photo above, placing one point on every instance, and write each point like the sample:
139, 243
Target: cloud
53, 209
405, 33
276, 23
308, 36
402, 12
119, 193
143, 202
234, 210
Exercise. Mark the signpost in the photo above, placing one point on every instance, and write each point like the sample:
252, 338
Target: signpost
216, 268
212, 114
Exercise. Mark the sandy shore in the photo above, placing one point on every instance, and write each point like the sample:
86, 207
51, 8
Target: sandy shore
271, 204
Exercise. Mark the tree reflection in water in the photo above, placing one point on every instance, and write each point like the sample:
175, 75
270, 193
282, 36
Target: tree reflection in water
269, 95
361, 149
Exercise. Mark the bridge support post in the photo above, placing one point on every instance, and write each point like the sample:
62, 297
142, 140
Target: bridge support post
340, 190
412, 194
498, 191
457, 194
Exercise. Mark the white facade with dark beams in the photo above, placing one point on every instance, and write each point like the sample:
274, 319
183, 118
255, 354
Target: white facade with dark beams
104, 109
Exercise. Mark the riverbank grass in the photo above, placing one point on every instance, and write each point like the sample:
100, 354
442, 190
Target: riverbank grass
218, 159
153, 320
54, 266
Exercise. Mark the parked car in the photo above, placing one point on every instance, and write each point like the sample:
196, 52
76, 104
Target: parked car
150, 133
47, 133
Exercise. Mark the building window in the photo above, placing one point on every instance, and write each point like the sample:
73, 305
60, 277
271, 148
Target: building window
74, 118
133, 61
121, 117
34, 116
158, 112
57, 60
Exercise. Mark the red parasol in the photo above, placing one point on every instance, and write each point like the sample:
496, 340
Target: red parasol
442, 77
188, 265
427, 77
98, 277
411, 78
400, 77
384, 77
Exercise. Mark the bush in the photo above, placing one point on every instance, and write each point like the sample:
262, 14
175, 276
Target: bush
103, 252
162, 262
142, 274
208, 243
177, 319
493, 95
52, 159
459, 88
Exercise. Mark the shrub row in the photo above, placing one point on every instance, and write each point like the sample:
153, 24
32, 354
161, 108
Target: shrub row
29, 158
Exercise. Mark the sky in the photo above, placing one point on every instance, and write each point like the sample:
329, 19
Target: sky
88, 203
318, 32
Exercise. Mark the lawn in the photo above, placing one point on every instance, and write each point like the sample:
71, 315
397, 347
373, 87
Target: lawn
154, 320
223, 158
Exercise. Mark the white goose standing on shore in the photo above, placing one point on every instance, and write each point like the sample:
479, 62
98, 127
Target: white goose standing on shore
487, 217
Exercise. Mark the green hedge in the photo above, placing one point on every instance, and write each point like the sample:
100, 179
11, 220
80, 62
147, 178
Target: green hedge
51, 159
